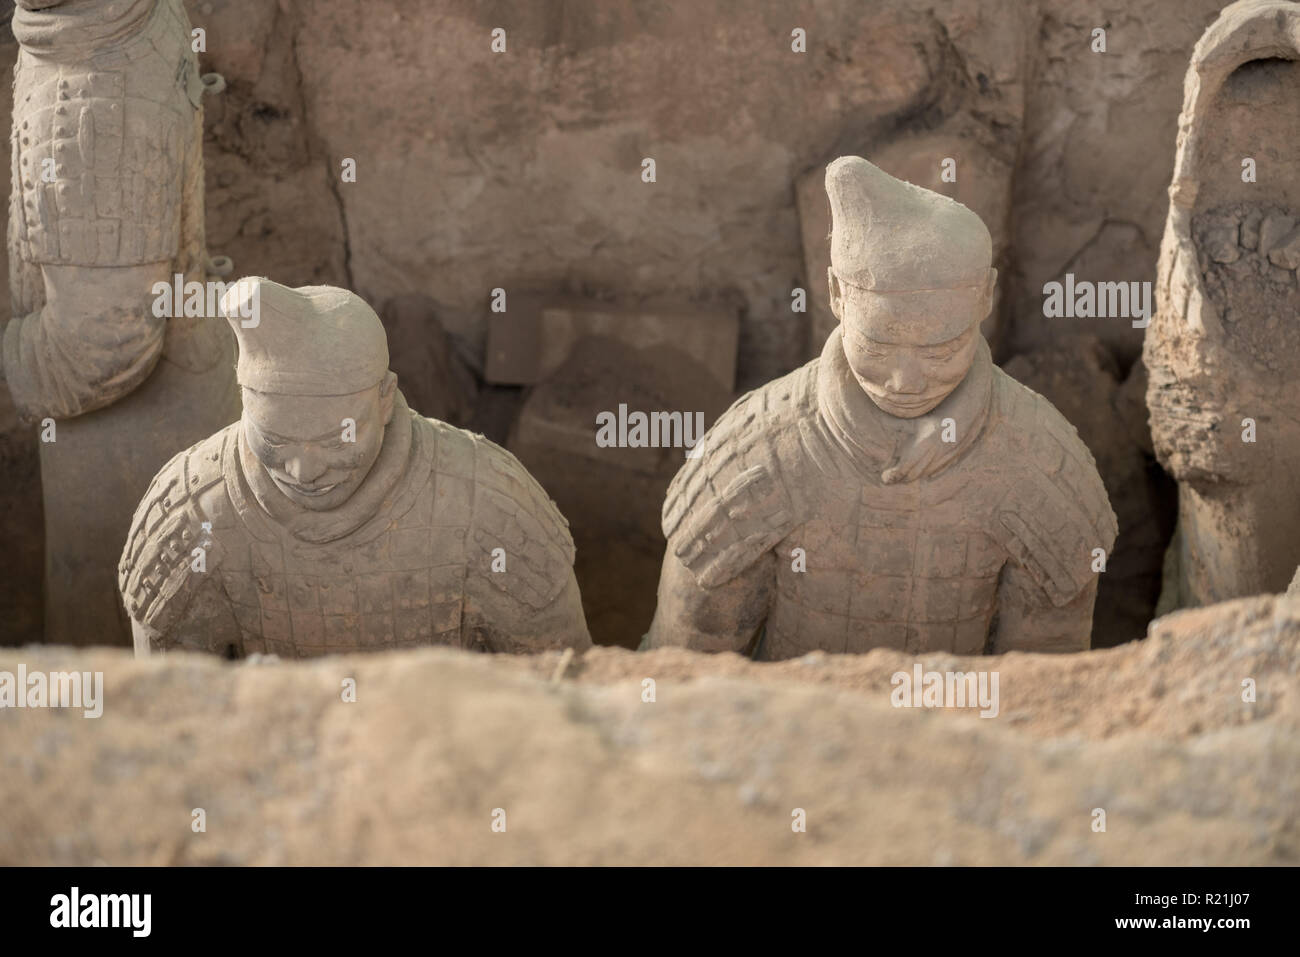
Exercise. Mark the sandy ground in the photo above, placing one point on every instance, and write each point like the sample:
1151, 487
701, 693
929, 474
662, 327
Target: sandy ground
580, 769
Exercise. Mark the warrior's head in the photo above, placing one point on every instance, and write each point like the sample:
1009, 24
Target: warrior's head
911, 279
317, 390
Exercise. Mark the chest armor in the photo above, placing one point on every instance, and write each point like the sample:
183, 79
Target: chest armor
397, 582
101, 146
908, 566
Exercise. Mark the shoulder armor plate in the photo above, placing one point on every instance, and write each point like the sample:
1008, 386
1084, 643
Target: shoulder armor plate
513, 512
1056, 511
731, 503
154, 574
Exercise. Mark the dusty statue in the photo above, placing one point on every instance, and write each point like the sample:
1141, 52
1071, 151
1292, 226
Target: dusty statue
107, 203
334, 518
1223, 351
900, 490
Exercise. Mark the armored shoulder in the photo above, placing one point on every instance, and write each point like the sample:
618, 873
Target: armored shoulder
512, 512
731, 501
155, 574
1055, 511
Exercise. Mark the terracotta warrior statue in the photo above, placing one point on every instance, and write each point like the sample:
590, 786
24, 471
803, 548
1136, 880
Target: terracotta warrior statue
900, 490
333, 518
1223, 349
107, 207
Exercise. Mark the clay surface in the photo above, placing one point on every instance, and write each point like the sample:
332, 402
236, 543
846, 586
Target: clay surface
1222, 348
899, 491
587, 772
532, 339
435, 378
581, 100
107, 201
331, 517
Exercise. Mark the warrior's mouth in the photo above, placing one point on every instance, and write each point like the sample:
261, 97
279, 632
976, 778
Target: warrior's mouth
908, 403
309, 491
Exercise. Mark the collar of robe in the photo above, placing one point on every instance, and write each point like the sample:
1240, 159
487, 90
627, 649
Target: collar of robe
76, 29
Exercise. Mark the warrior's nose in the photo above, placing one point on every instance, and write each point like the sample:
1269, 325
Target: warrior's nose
906, 378
304, 468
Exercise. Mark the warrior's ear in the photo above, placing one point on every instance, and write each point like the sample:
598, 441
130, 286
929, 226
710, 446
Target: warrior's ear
388, 395
989, 285
837, 293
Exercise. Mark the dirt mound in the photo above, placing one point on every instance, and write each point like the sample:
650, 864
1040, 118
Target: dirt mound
1183, 680
582, 770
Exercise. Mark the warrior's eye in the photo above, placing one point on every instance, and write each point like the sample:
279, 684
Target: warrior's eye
268, 442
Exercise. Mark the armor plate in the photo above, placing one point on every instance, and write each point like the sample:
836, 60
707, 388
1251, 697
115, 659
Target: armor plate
119, 128
399, 580
914, 565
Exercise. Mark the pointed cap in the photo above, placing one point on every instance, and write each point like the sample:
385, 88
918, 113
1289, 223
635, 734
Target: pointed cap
313, 340
891, 236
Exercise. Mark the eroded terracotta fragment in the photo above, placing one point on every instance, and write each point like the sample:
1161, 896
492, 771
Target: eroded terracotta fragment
1223, 349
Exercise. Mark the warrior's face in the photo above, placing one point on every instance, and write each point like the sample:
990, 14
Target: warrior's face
307, 444
900, 345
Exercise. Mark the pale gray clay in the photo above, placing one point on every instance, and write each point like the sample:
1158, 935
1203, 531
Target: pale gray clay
107, 202
333, 518
1223, 349
900, 490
